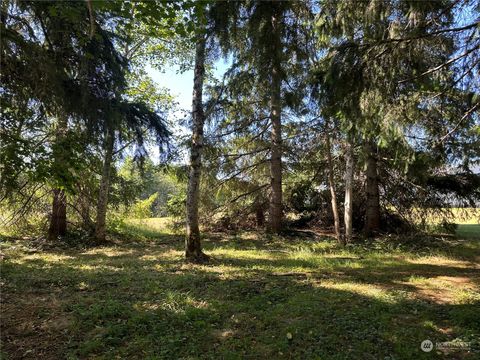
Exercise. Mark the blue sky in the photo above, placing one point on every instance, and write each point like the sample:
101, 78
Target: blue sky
181, 84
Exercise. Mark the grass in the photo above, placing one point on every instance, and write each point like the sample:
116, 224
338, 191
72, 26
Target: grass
435, 216
468, 231
297, 297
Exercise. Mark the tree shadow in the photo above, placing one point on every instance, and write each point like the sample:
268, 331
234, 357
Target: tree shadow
132, 306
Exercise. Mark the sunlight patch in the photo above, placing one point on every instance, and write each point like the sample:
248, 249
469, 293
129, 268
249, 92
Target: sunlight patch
96, 268
110, 252
48, 257
369, 290
174, 302
444, 289
442, 261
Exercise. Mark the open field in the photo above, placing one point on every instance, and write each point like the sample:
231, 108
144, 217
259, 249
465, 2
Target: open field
296, 297
462, 216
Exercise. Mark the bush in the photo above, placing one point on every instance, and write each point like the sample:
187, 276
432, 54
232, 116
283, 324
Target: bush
449, 227
176, 205
143, 208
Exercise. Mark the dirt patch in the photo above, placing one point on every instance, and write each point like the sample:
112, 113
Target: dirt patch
457, 280
443, 289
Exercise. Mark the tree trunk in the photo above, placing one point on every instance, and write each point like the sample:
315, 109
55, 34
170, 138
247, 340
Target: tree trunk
100, 225
84, 204
333, 194
372, 213
193, 247
259, 214
58, 218
349, 169
276, 210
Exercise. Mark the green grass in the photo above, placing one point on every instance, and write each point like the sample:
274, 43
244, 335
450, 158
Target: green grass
432, 216
471, 231
298, 297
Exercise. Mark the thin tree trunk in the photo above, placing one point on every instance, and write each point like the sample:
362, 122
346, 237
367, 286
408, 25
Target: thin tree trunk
372, 213
276, 210
84, 204
349, 170
58, 218
100, 225
333, 194
193, 247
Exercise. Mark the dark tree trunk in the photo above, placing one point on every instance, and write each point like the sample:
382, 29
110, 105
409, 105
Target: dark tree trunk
333, 194
372, 213
276, 207
349, 170
193, 247
58, 220
100, 224
58, 217
259, 215
87, 223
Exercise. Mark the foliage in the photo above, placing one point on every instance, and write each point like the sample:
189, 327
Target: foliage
377, 88
143, 208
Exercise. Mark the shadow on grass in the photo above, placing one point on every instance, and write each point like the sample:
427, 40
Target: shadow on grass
131, 302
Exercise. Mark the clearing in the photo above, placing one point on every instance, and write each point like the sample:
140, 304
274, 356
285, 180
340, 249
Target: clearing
298, 296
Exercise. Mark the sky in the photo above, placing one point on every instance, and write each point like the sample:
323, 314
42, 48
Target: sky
180, 86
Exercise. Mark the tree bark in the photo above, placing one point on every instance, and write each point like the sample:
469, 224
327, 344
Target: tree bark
349, 170
84, 204
259, 214
276, 208
100, 225
58, 218
372, 213
333, 194
193, 247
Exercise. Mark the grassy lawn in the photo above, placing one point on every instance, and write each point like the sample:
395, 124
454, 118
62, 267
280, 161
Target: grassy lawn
297, 297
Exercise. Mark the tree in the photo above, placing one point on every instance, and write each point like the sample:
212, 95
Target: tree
349, 172
58, 217
333, 194
62, 63
193, 249
276, 203
372, 211
100, 223
372, 54
265, 34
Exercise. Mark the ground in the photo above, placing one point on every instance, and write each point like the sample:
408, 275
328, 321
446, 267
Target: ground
294, 297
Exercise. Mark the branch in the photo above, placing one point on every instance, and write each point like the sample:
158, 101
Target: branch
246, 168
239, 155
472, 109
130, 53
436, 68
258, 188
407, 39
247, 193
